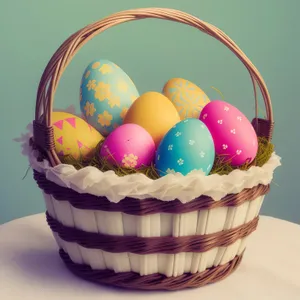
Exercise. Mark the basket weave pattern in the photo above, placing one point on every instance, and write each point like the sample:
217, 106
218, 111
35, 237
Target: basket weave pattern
145, 244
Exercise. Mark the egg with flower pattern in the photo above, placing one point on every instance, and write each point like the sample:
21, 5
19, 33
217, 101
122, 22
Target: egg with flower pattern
186, 96
74, 136
188, 146
234, 136
106, 93
129, 146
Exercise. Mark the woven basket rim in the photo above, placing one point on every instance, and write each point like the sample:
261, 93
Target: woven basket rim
110, 183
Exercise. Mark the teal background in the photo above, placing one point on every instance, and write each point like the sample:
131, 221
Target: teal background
151, 52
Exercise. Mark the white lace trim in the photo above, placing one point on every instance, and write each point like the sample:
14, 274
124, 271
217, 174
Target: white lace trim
185, 188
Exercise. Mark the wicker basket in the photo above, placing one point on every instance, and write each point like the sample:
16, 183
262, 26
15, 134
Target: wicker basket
150, 243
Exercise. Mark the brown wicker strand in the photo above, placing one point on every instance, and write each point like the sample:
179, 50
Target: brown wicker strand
146, 206
72, 45
44, 136
151, 245
131, 280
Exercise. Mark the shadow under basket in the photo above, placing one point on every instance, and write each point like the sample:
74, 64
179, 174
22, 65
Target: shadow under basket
147, 244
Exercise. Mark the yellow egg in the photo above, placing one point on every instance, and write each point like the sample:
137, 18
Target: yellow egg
187, 97
74, 136
155, 113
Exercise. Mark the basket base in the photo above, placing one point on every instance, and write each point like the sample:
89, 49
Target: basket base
131, 280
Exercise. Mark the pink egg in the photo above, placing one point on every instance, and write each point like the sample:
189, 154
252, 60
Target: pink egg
129, 146
233, 134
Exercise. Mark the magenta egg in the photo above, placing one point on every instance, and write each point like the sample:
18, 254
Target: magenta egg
234, 136
129, 146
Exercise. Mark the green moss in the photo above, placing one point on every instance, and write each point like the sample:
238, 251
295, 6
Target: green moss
221, 166
265, 150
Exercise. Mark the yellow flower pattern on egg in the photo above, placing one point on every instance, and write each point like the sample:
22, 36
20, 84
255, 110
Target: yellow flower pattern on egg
106, 93
114, 101
89, 109
105, 118
130, 160
102, 91
188, 98
96, 65
91, 85
105, 68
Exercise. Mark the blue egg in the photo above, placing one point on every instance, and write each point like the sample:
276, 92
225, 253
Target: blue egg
106, 93
188, 146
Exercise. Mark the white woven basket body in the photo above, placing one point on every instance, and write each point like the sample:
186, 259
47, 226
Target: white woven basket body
117, 223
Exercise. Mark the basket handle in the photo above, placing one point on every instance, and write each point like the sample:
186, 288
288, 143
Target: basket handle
43, 131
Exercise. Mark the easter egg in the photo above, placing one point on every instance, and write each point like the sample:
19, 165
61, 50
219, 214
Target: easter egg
188, 146
129, 146
155, 113
187, 97
74, 136
106, 93
234, 137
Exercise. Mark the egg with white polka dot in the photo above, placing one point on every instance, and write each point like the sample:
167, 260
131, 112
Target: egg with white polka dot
234, 136
188, 146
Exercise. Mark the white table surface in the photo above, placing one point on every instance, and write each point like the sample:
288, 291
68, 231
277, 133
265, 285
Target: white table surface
30, 268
